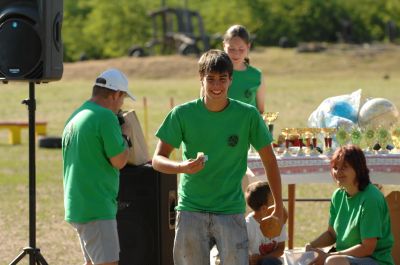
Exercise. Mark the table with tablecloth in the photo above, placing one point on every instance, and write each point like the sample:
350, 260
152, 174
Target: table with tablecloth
384, 169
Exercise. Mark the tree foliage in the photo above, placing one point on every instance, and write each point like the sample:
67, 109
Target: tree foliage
103, 28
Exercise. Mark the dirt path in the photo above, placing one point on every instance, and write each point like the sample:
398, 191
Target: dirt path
155, 67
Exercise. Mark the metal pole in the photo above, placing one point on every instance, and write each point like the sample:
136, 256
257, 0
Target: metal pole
32, 171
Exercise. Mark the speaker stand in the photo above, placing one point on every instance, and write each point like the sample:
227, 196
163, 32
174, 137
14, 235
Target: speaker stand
35, 257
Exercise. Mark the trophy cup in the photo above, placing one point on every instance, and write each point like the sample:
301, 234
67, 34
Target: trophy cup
307, 136
328, 139
314, 141
369, 137
396, 140
383, 137
355, 136
270, 117
341, 136
301, 132
286, 133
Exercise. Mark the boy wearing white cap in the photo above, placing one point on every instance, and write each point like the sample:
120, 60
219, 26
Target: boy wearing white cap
94, 148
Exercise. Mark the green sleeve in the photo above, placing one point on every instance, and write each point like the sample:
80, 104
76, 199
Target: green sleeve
171, 130
259, 133
111, 135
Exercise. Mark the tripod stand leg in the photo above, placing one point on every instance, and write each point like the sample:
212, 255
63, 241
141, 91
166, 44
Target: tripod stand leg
40, 259
18, 258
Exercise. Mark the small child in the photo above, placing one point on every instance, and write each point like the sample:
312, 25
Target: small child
262, 250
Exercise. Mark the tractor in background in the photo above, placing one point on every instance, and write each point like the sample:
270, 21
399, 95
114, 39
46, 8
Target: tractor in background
175, 30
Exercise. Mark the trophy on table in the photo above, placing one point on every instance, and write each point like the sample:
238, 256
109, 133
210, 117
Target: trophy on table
301, 132
307, 136
286, 132
342, 136
328, 139
396, 140
270, 117
369, 138
355, 136
383, 138
315, 132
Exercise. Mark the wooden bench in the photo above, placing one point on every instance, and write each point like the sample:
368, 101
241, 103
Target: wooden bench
14, 129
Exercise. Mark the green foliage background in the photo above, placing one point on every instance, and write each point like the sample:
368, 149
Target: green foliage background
103, 29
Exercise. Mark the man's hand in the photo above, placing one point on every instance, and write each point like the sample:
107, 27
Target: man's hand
192, 166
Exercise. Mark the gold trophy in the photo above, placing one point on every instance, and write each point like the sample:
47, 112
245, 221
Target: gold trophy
286, 133
396, 140
270, 117
301, 132
328, 139
307, 137
315, 132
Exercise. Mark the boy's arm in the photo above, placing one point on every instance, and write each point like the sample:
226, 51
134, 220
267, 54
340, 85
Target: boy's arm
162, 163
274, 178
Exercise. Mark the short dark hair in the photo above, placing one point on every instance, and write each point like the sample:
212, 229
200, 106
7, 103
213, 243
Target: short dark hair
215, 61
257, 194
102, 91
355, 157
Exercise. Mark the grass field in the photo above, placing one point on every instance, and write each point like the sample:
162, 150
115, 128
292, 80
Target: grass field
296, 84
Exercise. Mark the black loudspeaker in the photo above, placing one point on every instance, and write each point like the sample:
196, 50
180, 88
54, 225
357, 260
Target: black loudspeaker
146, 216
30, 40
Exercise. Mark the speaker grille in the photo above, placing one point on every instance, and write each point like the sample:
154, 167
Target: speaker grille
20, 49
37, 73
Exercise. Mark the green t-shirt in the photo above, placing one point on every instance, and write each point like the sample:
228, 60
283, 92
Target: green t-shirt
91, 136
245, 85
224, 137
365, 215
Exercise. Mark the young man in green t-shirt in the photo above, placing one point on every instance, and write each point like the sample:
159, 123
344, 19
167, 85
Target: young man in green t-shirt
215, 133
94, 149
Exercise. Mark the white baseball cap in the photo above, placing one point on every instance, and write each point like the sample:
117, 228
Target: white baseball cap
115, 80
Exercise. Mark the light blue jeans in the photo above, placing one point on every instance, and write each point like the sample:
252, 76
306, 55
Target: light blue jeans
196, 233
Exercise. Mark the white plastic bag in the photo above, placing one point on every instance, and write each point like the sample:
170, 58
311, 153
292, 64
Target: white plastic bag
338, 111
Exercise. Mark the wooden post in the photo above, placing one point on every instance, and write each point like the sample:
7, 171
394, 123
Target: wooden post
292, 199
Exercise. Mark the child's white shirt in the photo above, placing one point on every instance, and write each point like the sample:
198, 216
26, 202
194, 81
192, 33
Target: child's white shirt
258, 243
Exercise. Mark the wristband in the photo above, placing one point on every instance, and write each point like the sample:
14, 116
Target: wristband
127, 139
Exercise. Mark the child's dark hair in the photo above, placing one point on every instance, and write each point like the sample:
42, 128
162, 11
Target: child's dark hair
238, 31
355, 157
257, 194
215, 61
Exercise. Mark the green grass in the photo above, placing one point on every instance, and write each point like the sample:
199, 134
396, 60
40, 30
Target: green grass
296, 85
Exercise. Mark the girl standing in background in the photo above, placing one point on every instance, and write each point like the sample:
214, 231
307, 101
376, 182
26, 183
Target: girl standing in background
247, 81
